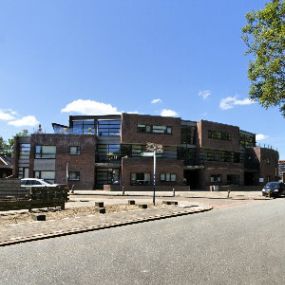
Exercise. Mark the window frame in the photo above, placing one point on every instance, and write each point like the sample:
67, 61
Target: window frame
77, 175
166, 177
77, 152
42, 155
138, 182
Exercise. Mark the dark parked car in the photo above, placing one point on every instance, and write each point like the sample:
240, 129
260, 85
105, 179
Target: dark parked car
273, 189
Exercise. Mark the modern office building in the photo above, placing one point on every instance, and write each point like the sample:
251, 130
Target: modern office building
109, 152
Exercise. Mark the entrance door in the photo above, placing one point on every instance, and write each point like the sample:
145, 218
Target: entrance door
192, 178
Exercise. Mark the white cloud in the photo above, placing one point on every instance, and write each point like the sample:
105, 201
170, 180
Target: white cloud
231, 101
89, 107
261, 137
27, 121
168, 113
156, 101
204, 94
7, 115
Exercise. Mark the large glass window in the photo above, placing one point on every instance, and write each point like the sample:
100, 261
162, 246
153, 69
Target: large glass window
25, 149
140, 178
23, 172
223, 156
46, 175
87, 127
45, 151
107, 176
187, 154
109, 127
219, 135
247, 139
106, 152
188, 134
168, 177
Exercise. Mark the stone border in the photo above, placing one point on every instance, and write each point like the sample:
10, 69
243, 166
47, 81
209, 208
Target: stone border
60, 233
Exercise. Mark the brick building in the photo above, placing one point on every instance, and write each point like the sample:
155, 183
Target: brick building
109, 152
281, 169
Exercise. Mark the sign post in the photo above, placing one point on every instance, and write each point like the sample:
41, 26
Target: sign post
155, 148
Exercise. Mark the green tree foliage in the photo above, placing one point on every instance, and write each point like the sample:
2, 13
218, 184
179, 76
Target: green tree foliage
6, 147
264, 36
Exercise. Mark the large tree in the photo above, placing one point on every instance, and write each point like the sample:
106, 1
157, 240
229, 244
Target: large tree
264, 36
6, 147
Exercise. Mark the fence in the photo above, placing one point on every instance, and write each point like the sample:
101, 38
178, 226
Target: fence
13, 197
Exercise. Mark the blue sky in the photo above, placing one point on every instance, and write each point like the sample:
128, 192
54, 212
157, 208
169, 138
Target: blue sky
183, 58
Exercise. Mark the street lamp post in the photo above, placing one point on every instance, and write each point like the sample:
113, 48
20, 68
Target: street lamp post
155, 148
154, 173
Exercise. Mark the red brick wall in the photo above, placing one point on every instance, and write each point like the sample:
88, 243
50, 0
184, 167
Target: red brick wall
205, 142
135, 165
85, 162
223, 169
131, 135
268, 161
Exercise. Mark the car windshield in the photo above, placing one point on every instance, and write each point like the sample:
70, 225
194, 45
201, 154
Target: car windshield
272, 185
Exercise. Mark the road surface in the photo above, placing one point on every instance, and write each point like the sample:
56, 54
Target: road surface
241, 245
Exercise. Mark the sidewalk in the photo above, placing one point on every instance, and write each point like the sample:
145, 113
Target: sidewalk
35, 230
243, 195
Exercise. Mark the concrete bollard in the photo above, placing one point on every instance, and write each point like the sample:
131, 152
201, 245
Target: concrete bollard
99, 204
142, 206
131, 202
170, 203
39, 217
101, 210
173, 191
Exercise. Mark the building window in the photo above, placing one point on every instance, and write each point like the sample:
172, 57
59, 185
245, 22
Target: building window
109, 127
45, 151
247, 139
137, 150
140, 178
25, 149
108, 152
222, 156
46, 175
236, 157
154, 129
188, 134
233, 179
168, 177
74, 176
74, 150
87, 127
107, 176
23, 172
219, 135
216, 178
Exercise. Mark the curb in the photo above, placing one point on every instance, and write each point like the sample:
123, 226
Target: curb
100, 227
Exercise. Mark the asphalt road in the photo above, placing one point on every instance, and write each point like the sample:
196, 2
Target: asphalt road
241, 245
